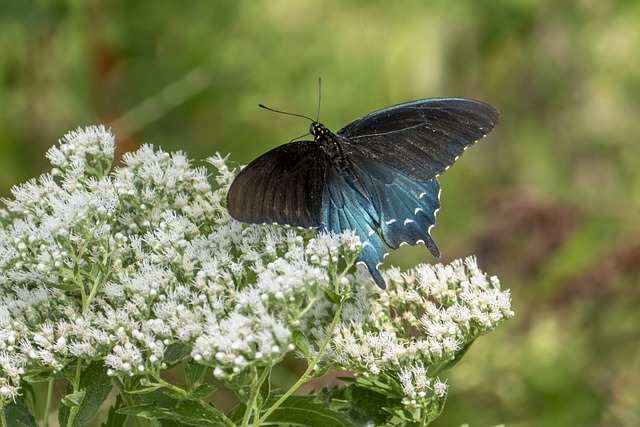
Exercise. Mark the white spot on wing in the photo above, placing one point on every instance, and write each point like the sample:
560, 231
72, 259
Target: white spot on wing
407, 221
391, 221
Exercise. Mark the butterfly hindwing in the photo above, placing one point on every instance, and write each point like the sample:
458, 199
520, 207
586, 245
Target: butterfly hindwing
420, 138
346, 208
282, 186
394, 209
409, 213
406, 208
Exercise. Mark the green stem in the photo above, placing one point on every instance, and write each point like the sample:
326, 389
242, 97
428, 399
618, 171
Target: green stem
170, 386
3, 416
251, 403
308, 307
98, 281
83, 294
97, 285
76, 386
47, 405
252, 406
261, 380
306, 375
128, 400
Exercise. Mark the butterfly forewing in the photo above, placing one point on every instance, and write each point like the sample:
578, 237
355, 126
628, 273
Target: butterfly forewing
420, 138
282, 186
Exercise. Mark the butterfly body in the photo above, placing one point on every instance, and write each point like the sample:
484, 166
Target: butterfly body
376, 176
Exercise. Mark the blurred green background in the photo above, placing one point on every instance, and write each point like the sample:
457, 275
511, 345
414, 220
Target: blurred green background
548, 202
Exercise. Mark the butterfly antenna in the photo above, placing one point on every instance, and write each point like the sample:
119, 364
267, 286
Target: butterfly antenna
319, 98
285, 112
300, 137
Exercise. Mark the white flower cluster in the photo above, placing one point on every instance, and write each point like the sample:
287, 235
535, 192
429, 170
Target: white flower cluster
424, 321
119, 266
418, 387
261, 319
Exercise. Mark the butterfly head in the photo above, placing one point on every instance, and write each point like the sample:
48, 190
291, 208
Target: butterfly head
318, 130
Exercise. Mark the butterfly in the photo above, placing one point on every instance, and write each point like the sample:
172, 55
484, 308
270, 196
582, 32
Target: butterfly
376, 176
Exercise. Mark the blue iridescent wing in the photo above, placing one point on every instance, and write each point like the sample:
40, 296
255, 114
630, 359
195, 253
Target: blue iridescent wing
347, 208
406, 208
381, 205
282, 186
420, 138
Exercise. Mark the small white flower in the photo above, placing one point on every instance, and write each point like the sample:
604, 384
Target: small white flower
439, 388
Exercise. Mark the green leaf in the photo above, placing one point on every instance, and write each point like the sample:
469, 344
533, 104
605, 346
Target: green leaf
190, 412
27, 396
114, 419
363, 405
265, 388
95, 386
38, 376
73, 399
310, 412
301, 342
450, 364
244, 394
176, 394
376, 385
401, 413
436, 407
332, 296
160, 398
243, 385
177, 352
198, 413
202, 391
321, 371
145, 390
146, 410
193, 373
242, 380
18, 415
237, 413
63, 287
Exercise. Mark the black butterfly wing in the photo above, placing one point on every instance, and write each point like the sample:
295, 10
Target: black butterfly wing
420, 138
347, 208
283, 186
